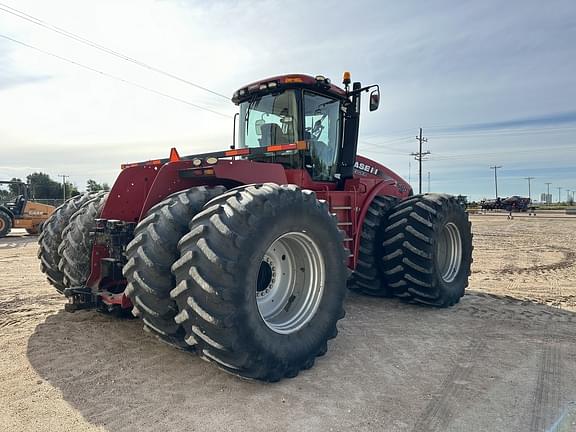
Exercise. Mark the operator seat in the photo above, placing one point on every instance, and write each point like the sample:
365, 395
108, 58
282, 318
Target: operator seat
272, 134
18, 207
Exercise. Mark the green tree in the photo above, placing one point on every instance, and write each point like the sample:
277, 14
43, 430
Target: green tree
71, 190
15, 189
42, 186
93, 186
5, 196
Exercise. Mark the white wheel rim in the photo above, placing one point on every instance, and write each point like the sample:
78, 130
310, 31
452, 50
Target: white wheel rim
449, 252
290, 282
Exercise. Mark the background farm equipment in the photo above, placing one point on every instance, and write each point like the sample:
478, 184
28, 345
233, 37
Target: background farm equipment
244, 255
511, 204
22, 212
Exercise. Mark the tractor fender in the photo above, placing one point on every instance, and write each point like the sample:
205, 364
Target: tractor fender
129, 193
384, 188
179, 175
7, 211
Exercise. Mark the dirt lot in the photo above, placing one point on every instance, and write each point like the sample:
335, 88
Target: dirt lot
501, 360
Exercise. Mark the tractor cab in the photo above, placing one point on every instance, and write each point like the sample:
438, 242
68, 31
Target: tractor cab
18, 205
300, 108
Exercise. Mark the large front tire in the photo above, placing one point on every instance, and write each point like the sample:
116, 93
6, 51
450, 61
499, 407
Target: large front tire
261, 281
428, 250
151, 254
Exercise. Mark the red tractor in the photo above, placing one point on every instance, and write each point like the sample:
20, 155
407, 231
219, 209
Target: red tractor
244, 255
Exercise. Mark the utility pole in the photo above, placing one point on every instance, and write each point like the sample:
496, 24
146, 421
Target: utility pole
64, 176
559, 197
420, 157
548, 192
529, 192
495, 168
567, 195
428, 181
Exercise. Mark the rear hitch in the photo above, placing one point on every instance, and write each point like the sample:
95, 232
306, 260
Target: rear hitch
80, 298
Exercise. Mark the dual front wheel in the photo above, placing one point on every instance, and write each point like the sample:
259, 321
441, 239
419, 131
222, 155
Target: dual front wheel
257, 282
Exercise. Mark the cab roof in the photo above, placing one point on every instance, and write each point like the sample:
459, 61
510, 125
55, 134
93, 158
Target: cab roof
319, 83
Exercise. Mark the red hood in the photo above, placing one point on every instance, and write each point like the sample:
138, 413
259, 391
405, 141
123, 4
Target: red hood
367, 168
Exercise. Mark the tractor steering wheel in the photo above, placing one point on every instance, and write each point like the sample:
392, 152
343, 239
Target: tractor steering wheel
318, 128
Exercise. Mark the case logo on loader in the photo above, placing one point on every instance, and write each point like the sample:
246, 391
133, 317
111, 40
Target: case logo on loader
365, 168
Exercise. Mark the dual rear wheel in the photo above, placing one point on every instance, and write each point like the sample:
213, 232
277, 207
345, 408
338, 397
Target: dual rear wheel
419, 249
53, 235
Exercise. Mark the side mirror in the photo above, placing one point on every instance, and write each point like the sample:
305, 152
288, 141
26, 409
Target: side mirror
374, 99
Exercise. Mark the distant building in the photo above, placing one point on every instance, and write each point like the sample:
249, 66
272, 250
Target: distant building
546, 198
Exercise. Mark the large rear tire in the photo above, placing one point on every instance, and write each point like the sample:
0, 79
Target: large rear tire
76, 246
428, 250
5, 224
261, 281
51, 238
151, 254
369, 278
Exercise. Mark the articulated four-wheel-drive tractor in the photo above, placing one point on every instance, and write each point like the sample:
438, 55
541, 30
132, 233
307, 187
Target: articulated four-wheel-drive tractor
244, 255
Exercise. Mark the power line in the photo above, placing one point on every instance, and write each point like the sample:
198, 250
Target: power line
63, 32
420, 157
113, 76
500, 132
495, 168
384, 142
379, 148
469, 155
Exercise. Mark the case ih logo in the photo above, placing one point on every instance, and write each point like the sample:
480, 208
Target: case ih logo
365, 168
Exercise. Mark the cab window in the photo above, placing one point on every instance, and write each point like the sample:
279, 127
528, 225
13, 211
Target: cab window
322, 131
269, 120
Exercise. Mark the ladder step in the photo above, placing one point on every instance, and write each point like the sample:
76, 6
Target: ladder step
342, 208
347, 239
344, 223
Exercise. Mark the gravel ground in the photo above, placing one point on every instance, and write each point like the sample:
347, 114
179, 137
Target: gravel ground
501, 360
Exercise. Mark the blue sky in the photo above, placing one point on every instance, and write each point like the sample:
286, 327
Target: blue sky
490, 82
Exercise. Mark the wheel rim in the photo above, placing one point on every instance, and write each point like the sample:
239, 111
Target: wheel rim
290, 282
2, 224
449, 252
